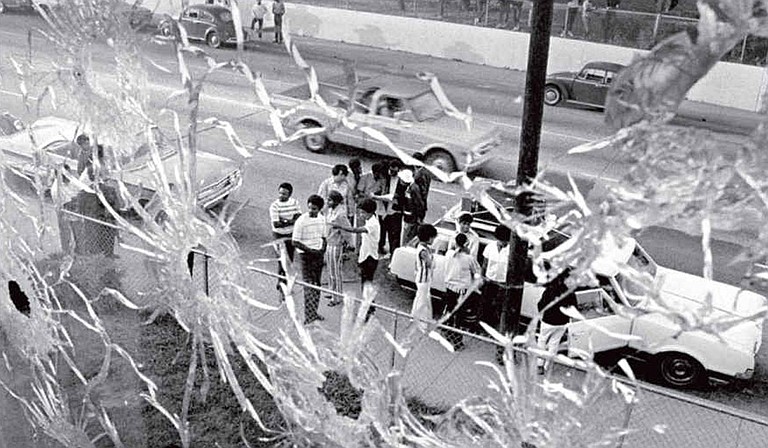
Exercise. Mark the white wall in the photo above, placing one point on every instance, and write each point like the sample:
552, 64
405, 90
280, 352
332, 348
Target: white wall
728, 84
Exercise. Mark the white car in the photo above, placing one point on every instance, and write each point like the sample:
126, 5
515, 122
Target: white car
217, 176
679, 359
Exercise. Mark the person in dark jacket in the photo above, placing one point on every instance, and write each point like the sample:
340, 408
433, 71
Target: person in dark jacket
554, 323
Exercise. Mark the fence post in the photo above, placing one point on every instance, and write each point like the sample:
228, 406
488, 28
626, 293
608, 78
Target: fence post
205, 270
394, 350
627, 418
743, 48
656, 28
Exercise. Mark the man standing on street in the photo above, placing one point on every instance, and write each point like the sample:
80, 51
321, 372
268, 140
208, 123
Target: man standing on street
415, 207
283, 213
309, 237
393, 216
278, 10
425, 265
258, 11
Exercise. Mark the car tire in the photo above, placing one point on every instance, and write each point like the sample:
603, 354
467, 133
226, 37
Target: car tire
213, 40
679, 370
552, 95
316, 142
442, 159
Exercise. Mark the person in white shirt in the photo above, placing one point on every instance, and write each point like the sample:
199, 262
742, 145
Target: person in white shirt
465, 228
283, 213
462, 270
495, 261
309, 238
368, 258
338, 182
259, 11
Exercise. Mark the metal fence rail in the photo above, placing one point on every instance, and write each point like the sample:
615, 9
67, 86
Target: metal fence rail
619, 27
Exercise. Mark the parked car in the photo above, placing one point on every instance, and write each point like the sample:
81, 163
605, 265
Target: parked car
676, 358
406, 111
210, 23
25, 5
589, 86
217, 176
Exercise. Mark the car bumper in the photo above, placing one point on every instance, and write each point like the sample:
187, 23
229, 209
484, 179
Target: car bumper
213, 194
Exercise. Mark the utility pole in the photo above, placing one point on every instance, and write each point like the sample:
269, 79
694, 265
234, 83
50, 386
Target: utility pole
527, 165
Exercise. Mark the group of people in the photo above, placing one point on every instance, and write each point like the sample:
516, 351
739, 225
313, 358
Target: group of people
385, 208
260, 11
372, 213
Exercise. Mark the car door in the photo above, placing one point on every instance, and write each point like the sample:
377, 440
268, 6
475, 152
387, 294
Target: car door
381, 117
589, 87
358, 114
599, 310
190, 20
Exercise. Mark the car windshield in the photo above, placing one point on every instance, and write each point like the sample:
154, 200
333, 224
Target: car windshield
426, 107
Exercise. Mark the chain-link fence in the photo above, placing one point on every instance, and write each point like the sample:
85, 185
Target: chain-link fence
438, 378
434, 378
606, 25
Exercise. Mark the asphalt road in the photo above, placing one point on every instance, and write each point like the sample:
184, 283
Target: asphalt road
494, 94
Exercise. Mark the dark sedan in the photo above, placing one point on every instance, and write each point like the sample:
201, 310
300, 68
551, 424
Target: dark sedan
210, 23
588, 86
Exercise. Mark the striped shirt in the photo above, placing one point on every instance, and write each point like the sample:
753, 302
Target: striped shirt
424, 264
283, 210
310, 231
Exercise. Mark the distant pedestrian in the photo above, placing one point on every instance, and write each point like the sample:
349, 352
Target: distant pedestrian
414, 209
571, 12
423, 272
586, 13
495, 261
465, 228
309, 237
516, 11
394, 194
338, 182
368, 257
554, 323
283, 213
504, 12
259, 11
336, 219
610, 16
278, 11
461, 270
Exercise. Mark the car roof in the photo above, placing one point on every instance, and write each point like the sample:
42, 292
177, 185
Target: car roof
210, 8
612, 66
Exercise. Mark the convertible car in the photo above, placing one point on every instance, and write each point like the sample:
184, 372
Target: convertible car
589, 86
676, 357
217, 176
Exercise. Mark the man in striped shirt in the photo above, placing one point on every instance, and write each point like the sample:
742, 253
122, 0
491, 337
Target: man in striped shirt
309, 237
422, 303
283, 213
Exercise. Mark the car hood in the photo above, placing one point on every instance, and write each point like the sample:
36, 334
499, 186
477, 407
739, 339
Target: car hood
683, 289
210, 169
